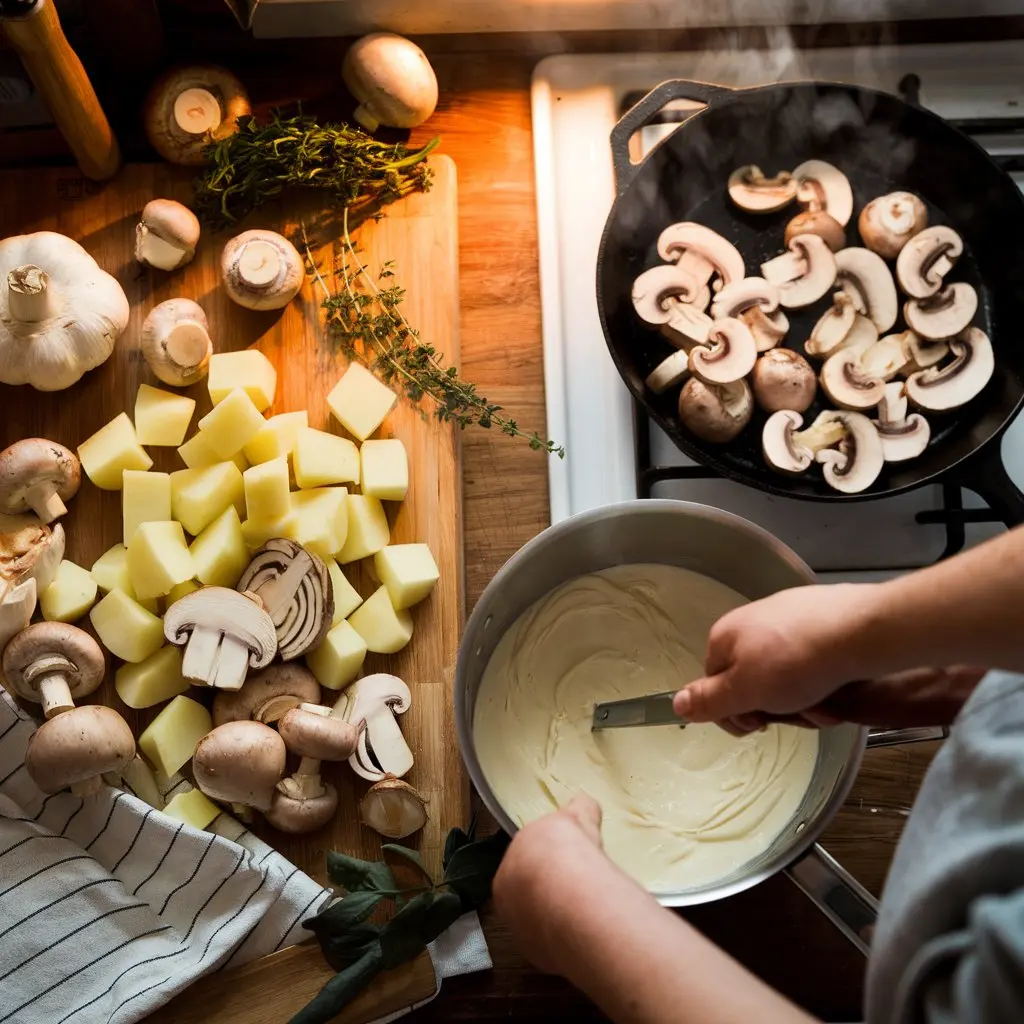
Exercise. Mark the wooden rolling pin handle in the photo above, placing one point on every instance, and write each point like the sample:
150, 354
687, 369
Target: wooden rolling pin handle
61, 80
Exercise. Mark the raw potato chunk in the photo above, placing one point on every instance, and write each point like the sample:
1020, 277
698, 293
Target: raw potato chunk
368, 529
171, 738
277, 437
383, 629
219, 553
158, 559
162, 417
70, 595
110, 571
110, 451
232, 424
198, 496
152, 681
360, 402
194, 808
196, 453
385, 469
266, 490
180, 590
145, 498
337, 661
321, 458
408, 571
256, 532
321, 519
249, 370
346, 597
125, 628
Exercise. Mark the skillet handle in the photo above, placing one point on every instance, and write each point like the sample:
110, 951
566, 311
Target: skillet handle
643, 112
985, 474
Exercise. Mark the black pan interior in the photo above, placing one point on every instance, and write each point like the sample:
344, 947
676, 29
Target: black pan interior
881, 144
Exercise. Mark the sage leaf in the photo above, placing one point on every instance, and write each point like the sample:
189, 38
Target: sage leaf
357, 875
353, 909
341, 989
472, 869
455, 841
420, 921
411, 856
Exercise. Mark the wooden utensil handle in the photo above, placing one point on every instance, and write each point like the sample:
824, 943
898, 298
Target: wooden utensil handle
61, 80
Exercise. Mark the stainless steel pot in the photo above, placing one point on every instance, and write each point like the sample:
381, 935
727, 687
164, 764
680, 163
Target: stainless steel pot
734, 552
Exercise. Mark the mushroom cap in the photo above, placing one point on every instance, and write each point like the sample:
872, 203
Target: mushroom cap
688, 239
943, 314
276, 257
954, 384
78, 745
783, 380
371, 693
888, 222
804, 273
777, 444
225, 611
820, 223
829, 189
33, 468
857, 463
745, 294
392, 78
655, 289
240, 763
171, 221
730, 355
297, 815
267, 694
863, 275
926, 259
715, 413
669, 372
752, 191
846, 383
28, 548
53, 648
322, 737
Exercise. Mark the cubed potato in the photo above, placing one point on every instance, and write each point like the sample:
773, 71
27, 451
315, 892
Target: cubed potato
385, 469
338, 659
196, 453
360, 402
384, 629
346, 597
110, 451
321, 458
256, 532
368, 529
158, 558
180, 590
162, 417
266, 490
145, 498
110, 571
198, 496
232, 424
171, 738
408, 571
152, 681
277, 437
219, 553
71, 594
249, 370
321, 519
194, 808
125, 628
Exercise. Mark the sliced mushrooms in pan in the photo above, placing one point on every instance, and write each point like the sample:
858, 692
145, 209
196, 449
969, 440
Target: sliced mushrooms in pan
756, 302
903, 435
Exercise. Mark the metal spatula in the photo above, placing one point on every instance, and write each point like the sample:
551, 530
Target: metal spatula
655, 709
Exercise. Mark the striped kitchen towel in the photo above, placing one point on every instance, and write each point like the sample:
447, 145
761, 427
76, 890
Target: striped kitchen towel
108, 908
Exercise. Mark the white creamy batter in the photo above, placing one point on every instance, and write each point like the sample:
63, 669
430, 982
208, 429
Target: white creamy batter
682, 807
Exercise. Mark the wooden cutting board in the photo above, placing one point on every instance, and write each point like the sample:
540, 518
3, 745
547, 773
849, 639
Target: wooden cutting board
420, 235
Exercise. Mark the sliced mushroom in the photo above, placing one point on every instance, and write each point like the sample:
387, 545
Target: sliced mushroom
39, 476
926, 259
821, 186
863, 275
791, 450
267, 695
382, 749
694, 247
820, 223
768, 329
393, 808
16, 608
687, 325
943, 314
224, 634
657, 291
29, 549
730, 355
922, 353
956, 383
847, 384
752, 191
887, 223
803, 274
715, 413
886, 358
296, 592
167, 235
856, 464
783, 379
669, 372
903, 437
841, 327
756, 302
240, 763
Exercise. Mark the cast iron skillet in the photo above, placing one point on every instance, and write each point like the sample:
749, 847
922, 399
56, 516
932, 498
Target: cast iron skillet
882, 144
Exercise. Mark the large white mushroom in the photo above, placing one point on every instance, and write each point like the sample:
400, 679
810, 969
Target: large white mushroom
392, 79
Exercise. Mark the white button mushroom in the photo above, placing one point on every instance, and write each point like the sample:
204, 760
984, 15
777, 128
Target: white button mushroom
752, 191
926, 259
858, 461
175, 342
715, 413
903, 437
167, 235
669, 372
39, 476
783, 379
863, 275
267, 694
949, 386
943, 314
261, 269
656, 291
804, 273
392, 79
240, 763
922, 353
16, 607
886, 358
887, 223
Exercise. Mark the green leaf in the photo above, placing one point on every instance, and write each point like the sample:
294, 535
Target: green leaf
341, 989
341, 950
420, 921
357, 875
411, 856
455, 841
472, 868
353, 909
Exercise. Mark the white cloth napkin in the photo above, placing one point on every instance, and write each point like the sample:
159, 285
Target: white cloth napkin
109, 908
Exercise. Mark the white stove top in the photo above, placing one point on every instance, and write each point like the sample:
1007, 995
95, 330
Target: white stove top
576, 102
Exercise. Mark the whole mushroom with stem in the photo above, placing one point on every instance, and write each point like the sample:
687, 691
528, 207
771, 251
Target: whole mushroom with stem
167, 235
39, 476
888, 222
715, 412
240, 763
267, 694
175, 342
261, 269
391, 79
783, 379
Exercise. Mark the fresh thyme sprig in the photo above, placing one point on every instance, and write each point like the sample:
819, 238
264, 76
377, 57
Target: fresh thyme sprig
370, 318
260, 161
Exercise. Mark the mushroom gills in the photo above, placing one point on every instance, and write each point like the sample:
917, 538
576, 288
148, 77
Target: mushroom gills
804, 273
729, 357
856, 464
701, 252
903, 437
822, 186
863, 275
847, 384
926, 259
950, 385
944, 314
751, 190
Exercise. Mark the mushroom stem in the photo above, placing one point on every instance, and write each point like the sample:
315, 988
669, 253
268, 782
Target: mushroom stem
87, 787
47, 506
196, 111
55, 694
188, 345
258, 264
308, 766
30, 300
